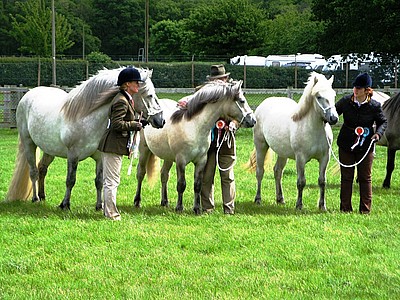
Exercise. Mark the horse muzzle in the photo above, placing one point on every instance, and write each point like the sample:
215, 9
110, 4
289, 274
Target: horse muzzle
249, 121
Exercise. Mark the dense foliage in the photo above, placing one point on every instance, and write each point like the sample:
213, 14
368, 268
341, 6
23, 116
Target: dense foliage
201, 27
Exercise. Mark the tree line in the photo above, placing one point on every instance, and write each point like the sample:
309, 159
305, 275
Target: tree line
182, 28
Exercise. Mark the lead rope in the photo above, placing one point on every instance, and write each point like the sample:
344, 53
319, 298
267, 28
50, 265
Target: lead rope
228, 139
355, 164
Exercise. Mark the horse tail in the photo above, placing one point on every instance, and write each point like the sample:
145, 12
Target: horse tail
152, 168
251, 164
20, 187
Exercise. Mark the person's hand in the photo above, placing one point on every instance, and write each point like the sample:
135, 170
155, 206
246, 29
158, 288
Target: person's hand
232, 126
375, 137
144, 122
138, 126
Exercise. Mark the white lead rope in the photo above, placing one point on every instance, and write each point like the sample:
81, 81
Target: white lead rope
355, 164
226, 138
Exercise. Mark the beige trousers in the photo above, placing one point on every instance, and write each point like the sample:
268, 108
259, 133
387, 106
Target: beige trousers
112, 164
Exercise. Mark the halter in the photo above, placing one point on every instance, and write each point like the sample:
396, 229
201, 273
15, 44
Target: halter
324, 109
151, 111
244, 113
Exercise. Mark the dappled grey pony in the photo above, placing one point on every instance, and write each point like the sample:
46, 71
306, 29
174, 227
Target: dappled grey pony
70, 125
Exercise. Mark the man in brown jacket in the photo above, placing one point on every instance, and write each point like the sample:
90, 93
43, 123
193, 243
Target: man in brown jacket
114, 143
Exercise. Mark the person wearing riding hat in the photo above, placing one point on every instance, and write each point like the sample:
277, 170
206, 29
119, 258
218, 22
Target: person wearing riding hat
356, 137
114, 142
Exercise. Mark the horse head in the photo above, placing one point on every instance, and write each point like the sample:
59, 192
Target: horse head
146, 101
241, 111
324, 96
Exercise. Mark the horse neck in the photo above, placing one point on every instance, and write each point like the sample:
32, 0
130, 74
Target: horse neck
208, 116
306, 111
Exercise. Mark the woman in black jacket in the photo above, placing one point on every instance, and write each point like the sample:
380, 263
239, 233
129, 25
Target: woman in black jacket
355, 140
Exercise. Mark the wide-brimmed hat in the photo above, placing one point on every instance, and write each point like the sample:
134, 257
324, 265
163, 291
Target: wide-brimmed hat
217, 71
362, 81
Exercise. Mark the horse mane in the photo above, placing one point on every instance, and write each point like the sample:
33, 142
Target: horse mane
209, 93
305, 101
391, 106
84, 98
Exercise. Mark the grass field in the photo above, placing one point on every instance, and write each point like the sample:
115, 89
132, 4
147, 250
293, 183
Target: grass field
262, 252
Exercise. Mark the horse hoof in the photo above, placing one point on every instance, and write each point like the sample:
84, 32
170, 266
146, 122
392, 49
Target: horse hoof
164, 203
280, 201
299, 207
322, 208
64, 207
179, 209
386, 185
257, 201
136, 204
196, 210
98, 208
35, 199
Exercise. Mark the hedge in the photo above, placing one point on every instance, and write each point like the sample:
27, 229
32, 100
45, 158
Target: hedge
24, 72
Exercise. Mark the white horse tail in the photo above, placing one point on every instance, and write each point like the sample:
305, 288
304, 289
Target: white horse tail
152, 168
251, 164
20, 187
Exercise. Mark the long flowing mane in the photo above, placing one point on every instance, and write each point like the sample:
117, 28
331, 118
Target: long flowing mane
210, 92
391, 106
84, 98
305, 102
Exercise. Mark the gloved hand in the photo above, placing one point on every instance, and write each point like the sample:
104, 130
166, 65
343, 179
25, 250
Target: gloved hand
143, 122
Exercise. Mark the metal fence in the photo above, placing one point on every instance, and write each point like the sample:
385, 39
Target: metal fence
11, 95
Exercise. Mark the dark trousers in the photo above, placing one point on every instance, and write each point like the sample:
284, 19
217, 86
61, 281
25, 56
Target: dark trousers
364, 179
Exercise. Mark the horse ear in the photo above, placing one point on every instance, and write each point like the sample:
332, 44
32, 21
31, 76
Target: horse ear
331, 79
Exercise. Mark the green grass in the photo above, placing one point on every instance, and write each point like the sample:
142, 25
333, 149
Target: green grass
262, 252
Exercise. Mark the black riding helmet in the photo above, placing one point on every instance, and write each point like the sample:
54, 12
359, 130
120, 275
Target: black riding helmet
127, 75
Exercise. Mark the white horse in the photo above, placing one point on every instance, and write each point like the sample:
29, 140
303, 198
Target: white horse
186, 136
70, 125
298, 131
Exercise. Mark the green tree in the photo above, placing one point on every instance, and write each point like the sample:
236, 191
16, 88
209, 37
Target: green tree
32, 28
167, 37
225, 27
120, 24
79, 14
359, 26
292, 31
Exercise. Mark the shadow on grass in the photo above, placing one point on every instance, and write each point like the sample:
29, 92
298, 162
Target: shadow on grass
43, 210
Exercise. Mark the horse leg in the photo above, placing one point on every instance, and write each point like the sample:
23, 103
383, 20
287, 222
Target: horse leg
181, 185
30, 154
260, 157
391, 155
167, 165
70, 182
301, 182
322, 182
140, 173
278, 171
42, 167
198, 180
98, 181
